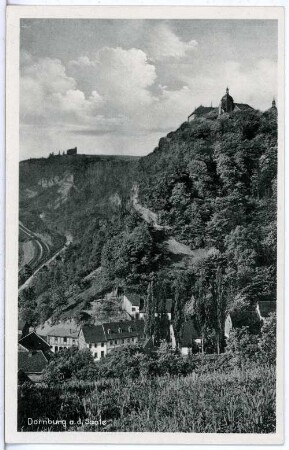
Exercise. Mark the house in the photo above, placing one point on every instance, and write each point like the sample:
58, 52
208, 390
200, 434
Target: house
32, 364
32, 342
101, 339
168, 309
190, 340
72, 151
242, 318
264, 308
61, 337
23, 328
201, 111
133, 304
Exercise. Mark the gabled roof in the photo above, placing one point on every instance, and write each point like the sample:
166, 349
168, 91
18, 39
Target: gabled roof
203, 110
245, 317
60, 331
189, 334
93, 333
128, 328
266, 307
243, 106
134, 298
33, 341
32, 362
112, 330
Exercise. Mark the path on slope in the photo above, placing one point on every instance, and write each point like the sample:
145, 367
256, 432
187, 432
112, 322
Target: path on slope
151, 217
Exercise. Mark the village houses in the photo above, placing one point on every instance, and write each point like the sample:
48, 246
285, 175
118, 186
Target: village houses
101, 339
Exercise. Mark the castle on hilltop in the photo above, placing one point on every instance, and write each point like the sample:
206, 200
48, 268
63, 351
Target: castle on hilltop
227, 105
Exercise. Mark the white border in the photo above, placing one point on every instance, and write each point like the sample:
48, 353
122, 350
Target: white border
12, 167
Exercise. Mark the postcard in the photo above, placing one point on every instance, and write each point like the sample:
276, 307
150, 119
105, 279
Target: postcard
145, 225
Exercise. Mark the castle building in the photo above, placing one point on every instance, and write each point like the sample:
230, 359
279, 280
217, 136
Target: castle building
227, 105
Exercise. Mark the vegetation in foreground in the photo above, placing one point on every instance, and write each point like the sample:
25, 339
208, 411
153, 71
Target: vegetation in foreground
131, 390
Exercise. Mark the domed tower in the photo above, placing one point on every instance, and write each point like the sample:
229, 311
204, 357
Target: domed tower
227, 103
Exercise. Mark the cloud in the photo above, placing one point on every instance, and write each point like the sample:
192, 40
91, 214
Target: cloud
163, 43
48, 95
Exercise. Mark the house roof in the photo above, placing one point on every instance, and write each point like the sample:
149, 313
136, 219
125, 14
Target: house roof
112, 330
33, 341
93, 333
22, 377
243, 106
134, 298
202, 110
60, 331
32, 362
242, 318
266, 307
128, 328
189, 334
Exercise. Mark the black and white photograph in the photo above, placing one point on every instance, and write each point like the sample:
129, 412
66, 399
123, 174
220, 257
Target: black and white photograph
147, 287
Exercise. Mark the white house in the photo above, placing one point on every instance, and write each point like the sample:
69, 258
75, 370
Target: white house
132, 303
59, 338
101, 339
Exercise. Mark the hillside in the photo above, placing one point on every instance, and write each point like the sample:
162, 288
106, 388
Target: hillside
203, 230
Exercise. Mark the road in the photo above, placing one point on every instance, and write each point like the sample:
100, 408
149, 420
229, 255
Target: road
174, 246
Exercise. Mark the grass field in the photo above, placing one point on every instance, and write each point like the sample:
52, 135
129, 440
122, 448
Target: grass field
241, 401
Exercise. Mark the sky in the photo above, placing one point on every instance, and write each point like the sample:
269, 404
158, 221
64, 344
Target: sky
117, 86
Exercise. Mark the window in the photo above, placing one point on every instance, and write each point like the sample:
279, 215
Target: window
102, 344
133, 308
111, 342
90, 345
65, 340
129, 329
115, 342
120, 330
56, 348
95, 355
122, 341
102, 354
73, 341
96, 344
108, 331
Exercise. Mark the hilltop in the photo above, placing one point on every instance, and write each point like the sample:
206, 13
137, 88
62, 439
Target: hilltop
209, 186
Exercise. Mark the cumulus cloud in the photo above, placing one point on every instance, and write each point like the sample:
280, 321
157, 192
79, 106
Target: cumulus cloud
48, 94
163, 43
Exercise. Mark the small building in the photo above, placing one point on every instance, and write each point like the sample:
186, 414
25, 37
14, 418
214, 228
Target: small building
264, 308
72, 151
242, 318
101, 339
168, 309
61, 337
190, 341
32, 342
133, 304
201, 111
32, 364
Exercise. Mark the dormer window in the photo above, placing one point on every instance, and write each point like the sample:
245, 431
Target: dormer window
120, 330
108, 331
129, 329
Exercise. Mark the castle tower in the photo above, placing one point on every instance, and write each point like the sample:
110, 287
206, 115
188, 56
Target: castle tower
227, 103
